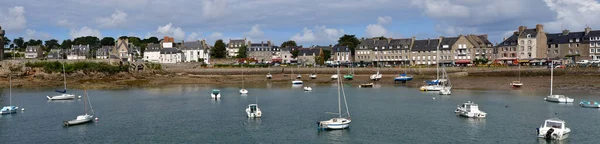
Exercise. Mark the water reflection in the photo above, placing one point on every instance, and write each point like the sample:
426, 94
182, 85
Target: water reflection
335, 136
253, 124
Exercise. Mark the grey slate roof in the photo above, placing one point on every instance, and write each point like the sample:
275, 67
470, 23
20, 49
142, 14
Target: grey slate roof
526, 32
448, 41
595, 33
559, 38
425, 45
169, 51
308, 51
400, 42
153, 48
341, 49
381, 43
81, 50
103, 51
366, 44
195, 45
510, 41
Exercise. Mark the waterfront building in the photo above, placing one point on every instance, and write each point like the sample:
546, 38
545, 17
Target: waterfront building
233, 47
32, 52
78, 52
195, 51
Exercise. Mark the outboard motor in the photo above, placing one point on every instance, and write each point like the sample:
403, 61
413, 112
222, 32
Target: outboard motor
549, 133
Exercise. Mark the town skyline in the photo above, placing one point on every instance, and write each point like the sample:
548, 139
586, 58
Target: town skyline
307, 23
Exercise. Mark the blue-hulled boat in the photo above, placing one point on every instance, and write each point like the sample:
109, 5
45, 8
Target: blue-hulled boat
589, 104
403, 78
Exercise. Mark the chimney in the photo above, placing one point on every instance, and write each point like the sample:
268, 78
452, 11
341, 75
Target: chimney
268, 42
587, 30
516, 33
522, 28
262, 42
428, 40
539, 28
389, 40
565, 32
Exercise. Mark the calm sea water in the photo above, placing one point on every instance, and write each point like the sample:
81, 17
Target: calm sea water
385, 114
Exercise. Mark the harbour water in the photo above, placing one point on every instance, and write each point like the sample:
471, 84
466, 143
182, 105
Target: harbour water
384, 114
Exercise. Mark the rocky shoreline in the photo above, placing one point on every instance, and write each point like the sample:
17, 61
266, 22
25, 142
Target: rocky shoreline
474, 79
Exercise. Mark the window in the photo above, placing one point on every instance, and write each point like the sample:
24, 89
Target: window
555, 45
576, 51
529, 48
571, 40
592, 44
522, 41
577, 40
522, 48
555, 51
528, 35
529, 55
570, 51
549, 46
569, 45
592, 50
528, 42
576, 45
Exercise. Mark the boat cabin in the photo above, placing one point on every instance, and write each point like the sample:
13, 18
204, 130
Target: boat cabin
470, 107
216, 91
252, 107
554, 123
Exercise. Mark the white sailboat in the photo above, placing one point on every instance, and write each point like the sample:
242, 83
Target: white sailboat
434, 85
86, 117
517, 84
10, 109
446, 86
378, 75
297, 81
314, 74
556, 98
243, 90
63, 95
337, 122
269, 76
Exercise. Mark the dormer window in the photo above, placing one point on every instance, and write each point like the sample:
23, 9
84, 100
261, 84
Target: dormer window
375, 47
528, 35
577, 40
570, 40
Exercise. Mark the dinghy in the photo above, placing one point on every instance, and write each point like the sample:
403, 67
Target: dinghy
589, 104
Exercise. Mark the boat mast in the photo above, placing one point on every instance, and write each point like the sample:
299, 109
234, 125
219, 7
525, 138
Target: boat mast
437, 63
85, 102
551, 75
242, 76
339, 96
345, 102
65, 77
90, 103
518, 55
10, 88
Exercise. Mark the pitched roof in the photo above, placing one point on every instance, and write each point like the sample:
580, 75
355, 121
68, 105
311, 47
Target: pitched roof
169, 51
381, 43
425, 45
510, 41
402, 43
561, 38
532, 32
153, 48
595, 33
308, 51
195, 45
366, 44
479, 41
450, 41
341, 49
32, 47
240, 41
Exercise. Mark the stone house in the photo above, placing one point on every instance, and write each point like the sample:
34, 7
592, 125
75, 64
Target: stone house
32, 52
307, 55
152, 53
170, 55
78, 52
524, 45
592, 39
566, 44
103, 52
262, 52
55, 54
234, 45
482, 47
423, 52
398, 51
364, 51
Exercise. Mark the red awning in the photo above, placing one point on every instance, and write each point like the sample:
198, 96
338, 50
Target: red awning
462, 62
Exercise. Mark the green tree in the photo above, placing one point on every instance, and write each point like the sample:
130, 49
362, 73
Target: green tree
51, 44
66, 44
107, 41
348, 40
6, 41
242, 52
19, 42
218, 50
295, 53
151, 40
33, 42
326, 55
136, 41
289, 43
87, 40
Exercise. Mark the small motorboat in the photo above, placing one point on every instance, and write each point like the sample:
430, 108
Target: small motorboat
299, 76
9, 110
313, 76
559, 99
470, 110
253, 111
334, 77
349, 76
431, 88
553, 129
269, 76
297, 82
306, 88
516, 84
368, 85
243, 91
215, 94
61, 97
589, 104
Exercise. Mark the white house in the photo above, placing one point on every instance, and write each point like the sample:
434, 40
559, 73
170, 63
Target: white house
32, 52
152, 53
170, 55
341, 54
103, 52
195, 51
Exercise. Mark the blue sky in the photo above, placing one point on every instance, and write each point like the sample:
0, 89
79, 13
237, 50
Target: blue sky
309, 22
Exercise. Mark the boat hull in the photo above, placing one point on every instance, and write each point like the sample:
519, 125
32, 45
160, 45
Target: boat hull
61, 97
376, 77
431, 88
253, 114
589, 104
297, 82
366, 85
559, 99
555, 135
403, 79
9, 110
334, 124
243, 91
307, 88
215, 96
78, 121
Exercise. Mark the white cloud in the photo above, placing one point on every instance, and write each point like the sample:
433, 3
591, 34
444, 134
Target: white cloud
32, 34
64, 23
306, 36
216, 35
573, 14
214, 8
375, 30
442, 8
14, 19
255, 32
85, 31
117, 18
168, 30
384, 20
318, 34
192, 37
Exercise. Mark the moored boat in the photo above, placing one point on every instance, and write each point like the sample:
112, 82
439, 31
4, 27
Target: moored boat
367, 85
339, 122
516, 84
86, 117
297, 82
553, 129
470, 110
307, 88
556, 98
253, 111
334, 77
215, 94
403, 78
9, 110
589, 104
313, 76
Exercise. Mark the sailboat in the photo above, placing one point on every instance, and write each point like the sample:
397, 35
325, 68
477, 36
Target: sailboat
434, 85
86, 117
10, 109
337, 122
378, 75
556, 98
403, 77
63, 95
517, 84
350, 74
297, 81
314, 74
446, 86
269, 76
243, 90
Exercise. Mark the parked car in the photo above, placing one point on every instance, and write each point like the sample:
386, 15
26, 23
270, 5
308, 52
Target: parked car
596, 61
583, 62
559, 66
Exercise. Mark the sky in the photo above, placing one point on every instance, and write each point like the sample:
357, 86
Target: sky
308, 22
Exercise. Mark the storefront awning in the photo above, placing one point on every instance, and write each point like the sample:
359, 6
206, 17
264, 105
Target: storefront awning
523, 61
462, 61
